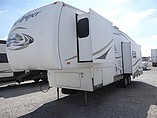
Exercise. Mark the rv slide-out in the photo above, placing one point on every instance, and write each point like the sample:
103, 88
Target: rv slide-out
81, 50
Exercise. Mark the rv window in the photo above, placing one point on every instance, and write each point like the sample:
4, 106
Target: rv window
134, 54
3, 58
83, 28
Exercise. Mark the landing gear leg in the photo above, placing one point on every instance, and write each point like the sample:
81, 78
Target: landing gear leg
85, 98
57, 93
124, 82
129, 80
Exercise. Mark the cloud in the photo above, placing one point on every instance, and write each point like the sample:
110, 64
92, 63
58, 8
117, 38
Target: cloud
118, 1
154, 37
146, 50
3, 11
147, 43
133, 19
113, 1
146, 13
128, 20
155, 19
110, 15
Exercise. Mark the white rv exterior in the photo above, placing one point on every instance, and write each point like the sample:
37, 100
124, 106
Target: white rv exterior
154, 57
80, 50
8, 74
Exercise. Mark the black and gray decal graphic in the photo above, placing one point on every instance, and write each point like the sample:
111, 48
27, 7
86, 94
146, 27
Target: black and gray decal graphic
18, 42
97, 52
136, 62
27, 17
104, 55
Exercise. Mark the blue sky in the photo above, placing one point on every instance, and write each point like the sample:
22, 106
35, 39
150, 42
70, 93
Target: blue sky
137, 18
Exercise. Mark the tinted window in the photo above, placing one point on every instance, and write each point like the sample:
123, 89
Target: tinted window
134, 54
83, 28
3, 58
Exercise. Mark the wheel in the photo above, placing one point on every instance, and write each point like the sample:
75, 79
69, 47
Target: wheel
129, 80
124, 82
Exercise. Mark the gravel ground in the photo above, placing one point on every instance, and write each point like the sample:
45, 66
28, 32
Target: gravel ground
139, 100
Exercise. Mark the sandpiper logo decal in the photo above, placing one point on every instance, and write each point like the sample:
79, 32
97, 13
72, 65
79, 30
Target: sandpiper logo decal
26, 17
18, 42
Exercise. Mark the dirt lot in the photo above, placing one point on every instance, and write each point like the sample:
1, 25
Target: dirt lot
139, 100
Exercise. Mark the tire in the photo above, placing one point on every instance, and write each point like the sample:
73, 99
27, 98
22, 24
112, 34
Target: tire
129, 80
124, 82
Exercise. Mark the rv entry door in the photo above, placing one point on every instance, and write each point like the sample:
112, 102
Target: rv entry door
84, 50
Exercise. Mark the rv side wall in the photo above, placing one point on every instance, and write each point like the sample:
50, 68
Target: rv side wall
68, 37
136, 59
84, 75
101, 31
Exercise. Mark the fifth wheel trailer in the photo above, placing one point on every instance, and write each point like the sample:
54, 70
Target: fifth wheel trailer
8, 74
154, 57
81, 50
